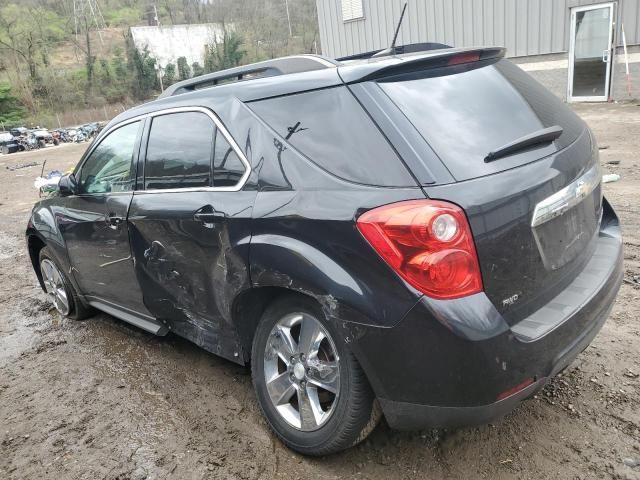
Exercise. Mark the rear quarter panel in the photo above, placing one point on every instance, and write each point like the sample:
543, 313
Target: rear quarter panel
304, 236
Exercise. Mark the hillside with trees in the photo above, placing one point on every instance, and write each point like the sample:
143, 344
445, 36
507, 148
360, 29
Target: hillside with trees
66, 61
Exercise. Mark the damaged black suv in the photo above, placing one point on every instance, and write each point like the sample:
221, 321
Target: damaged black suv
420, 236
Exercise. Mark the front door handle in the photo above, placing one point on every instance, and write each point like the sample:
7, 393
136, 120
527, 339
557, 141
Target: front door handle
115, 221
605, 56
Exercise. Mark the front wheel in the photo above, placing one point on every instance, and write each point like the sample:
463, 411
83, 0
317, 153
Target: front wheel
309, 385
59, 289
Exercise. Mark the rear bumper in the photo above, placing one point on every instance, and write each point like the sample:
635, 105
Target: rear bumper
411, 416
449, 363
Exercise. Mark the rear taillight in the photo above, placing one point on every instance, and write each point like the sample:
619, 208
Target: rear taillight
429, 243
467, 57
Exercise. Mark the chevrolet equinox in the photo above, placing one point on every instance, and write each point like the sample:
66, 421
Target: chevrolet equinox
420, 236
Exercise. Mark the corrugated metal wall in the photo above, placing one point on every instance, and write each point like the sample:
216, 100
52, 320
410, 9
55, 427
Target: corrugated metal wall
525, 27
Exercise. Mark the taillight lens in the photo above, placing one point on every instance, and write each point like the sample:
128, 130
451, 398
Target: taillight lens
464, 58
429, 243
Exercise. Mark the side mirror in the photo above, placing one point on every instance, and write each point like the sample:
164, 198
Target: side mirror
68, 185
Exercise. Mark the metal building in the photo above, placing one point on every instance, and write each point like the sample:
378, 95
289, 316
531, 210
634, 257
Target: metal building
574, 47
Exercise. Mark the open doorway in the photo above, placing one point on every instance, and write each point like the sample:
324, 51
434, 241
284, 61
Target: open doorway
590, 52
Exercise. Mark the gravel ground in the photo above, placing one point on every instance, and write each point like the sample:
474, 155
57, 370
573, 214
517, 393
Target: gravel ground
100, 399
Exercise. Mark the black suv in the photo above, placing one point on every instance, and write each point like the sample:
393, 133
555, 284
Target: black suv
421, 236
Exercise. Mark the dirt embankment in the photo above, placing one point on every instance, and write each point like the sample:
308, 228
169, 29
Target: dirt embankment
99, 399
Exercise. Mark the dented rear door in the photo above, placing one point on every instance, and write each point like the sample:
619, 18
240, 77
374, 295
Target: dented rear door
189, 269
189, 236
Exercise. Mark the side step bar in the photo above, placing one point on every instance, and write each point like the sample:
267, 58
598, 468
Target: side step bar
136, 319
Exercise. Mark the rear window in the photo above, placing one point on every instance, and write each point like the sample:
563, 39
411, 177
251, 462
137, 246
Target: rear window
331, 129
466, 115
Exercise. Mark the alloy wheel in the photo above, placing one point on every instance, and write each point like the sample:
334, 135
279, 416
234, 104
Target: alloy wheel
302, 373
54, 286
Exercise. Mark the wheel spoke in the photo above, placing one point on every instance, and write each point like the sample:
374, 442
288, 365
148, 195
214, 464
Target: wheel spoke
284, 344
310, 337
307, 415
47, 276
281, 389
61, 294
324, 375
54, 286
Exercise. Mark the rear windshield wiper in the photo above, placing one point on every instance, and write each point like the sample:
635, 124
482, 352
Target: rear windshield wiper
546, 135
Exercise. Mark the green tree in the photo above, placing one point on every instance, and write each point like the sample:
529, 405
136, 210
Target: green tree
169, 77
184, 71
119, 66
124, 16
197, 69
11, 111
225, 54
25, 33
104, 75
144, 77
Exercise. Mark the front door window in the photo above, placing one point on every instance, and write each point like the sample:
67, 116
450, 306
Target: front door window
110, 168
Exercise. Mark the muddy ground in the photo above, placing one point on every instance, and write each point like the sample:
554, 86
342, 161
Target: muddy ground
99, 399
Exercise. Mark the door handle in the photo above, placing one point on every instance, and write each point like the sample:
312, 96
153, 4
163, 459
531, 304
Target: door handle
208, 215
114, 221
606, 55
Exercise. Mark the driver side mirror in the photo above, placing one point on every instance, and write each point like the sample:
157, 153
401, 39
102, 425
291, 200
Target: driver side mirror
68, 185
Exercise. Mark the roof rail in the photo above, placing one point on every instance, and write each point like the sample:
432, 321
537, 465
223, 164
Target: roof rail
398, 50
268, 68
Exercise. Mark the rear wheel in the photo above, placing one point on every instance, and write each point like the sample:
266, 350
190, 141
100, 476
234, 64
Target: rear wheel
309, 385
59, 289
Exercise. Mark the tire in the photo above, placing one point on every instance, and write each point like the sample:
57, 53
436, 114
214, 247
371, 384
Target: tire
341, 419
56, 281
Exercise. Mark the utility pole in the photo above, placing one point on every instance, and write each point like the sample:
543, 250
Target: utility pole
155, 11
159, 70
286, 4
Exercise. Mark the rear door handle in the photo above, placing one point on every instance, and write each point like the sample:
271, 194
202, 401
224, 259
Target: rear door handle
208, 214
605, 56
209, 217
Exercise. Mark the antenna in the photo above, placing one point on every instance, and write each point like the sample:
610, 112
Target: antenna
392, 47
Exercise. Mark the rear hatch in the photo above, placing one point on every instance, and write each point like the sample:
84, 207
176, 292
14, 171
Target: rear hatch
535, 204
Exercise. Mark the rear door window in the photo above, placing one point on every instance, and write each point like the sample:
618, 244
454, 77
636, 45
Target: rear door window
331, 129
228, 169
464, 116
179, 151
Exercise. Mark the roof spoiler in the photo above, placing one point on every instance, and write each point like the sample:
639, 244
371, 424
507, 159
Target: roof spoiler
386, 67
268, 68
